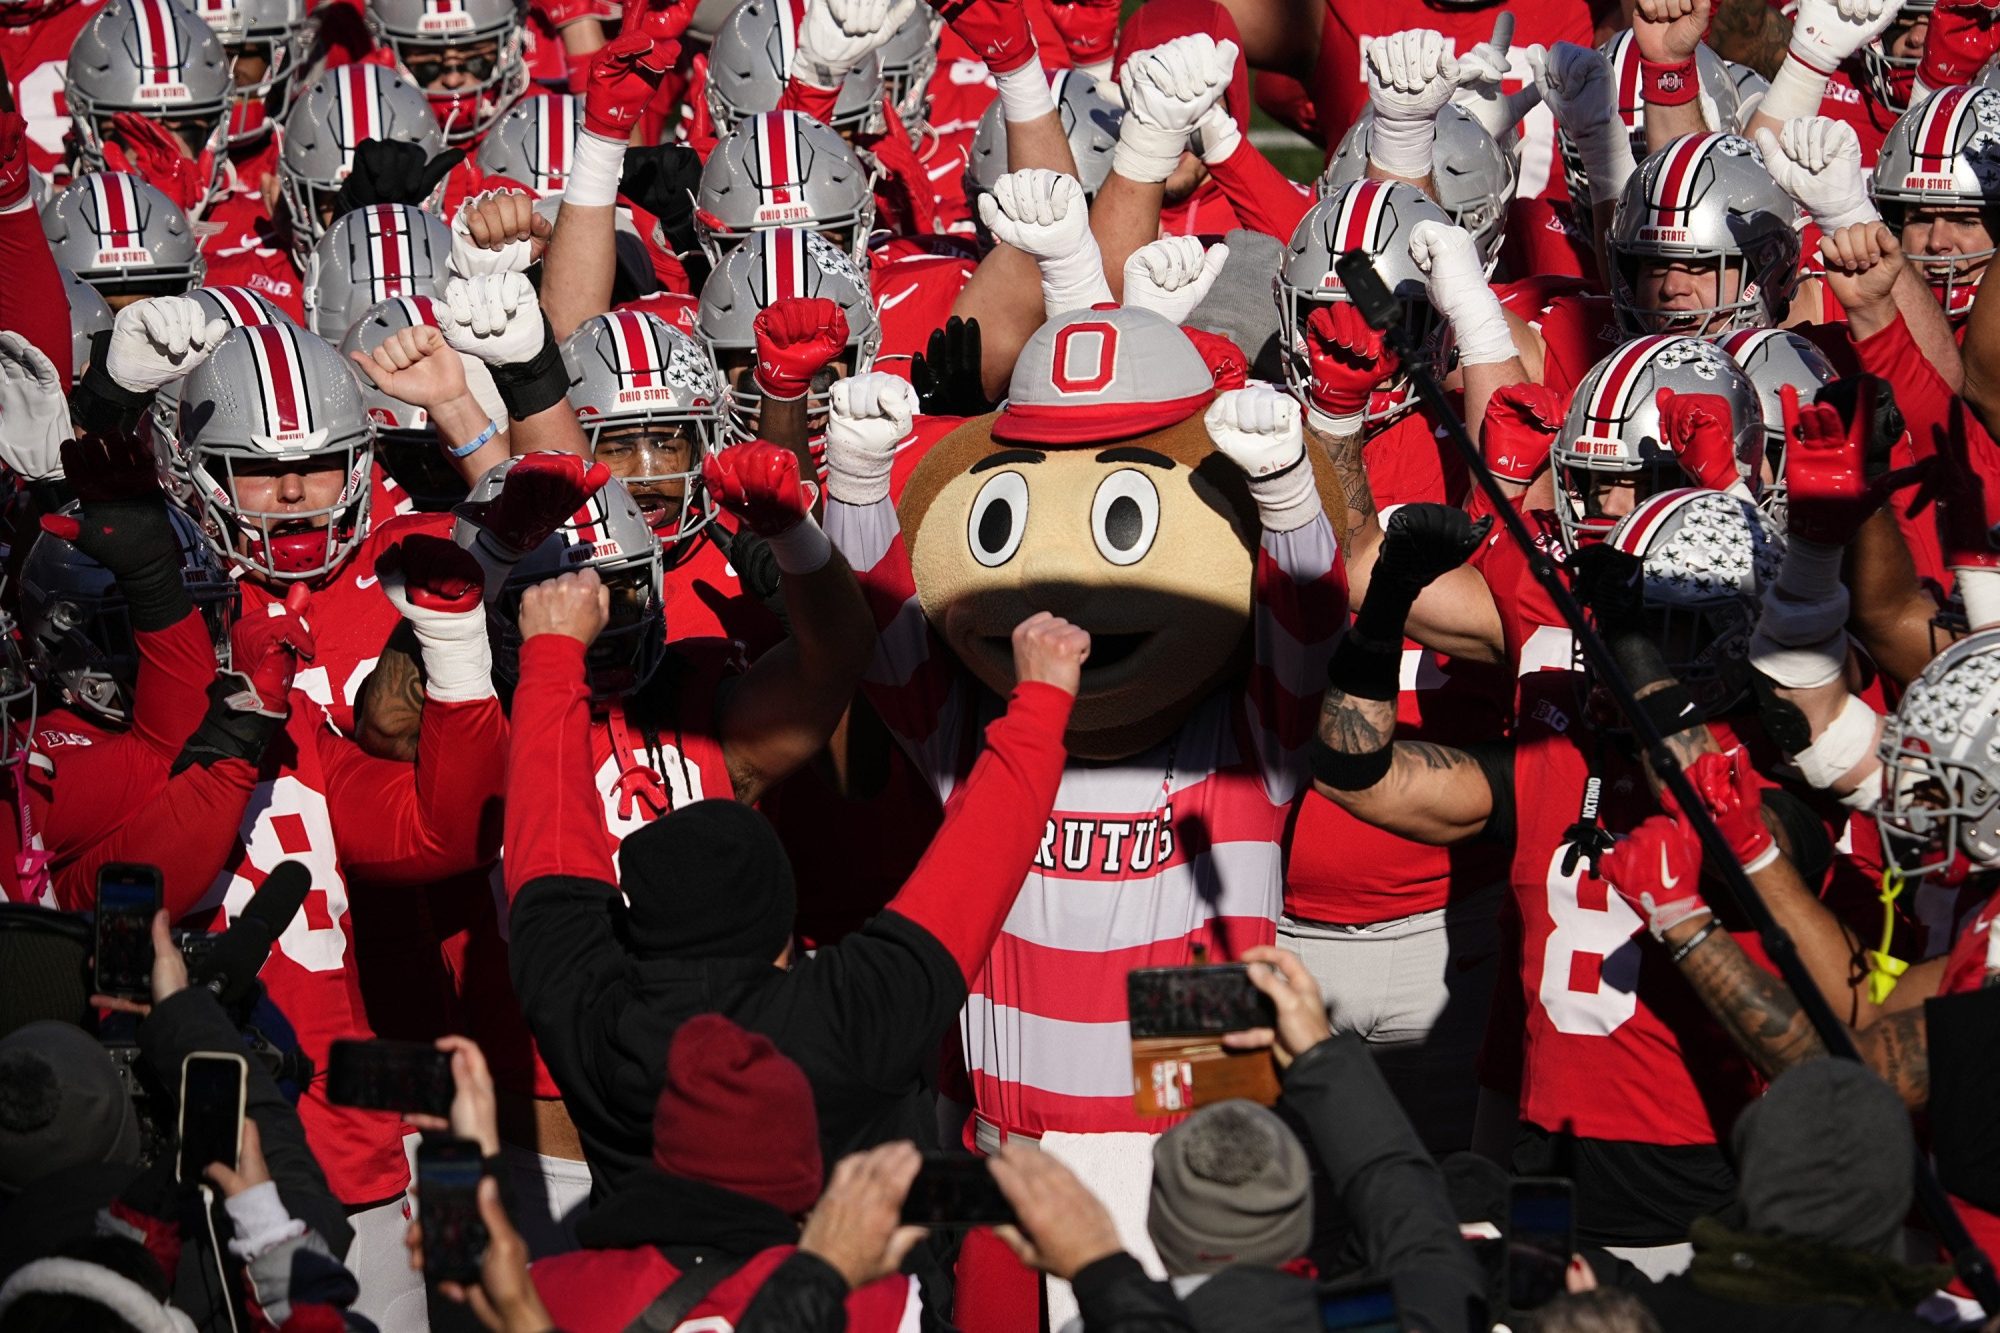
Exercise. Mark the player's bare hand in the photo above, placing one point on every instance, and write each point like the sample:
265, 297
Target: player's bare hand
417, 366
1862, 263
577, 605
1049, 649
498, 232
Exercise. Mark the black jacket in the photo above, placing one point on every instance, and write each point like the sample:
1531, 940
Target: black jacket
862, 1018
1767, 1284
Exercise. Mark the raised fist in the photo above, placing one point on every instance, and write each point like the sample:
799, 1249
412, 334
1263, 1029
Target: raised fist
577, 606
498, 231
997, 29
1348, 362
416, 366
1039, 212
1817, 161
1825, 33
1170, 276
1668, 31
1449, 259
1727, 785
1699, 431
1518, 430
495, 318
1170, 86
390, 171
426, 575
758, 482
157, 340
540, 494
1050, 650
1656, 868
837, 35
34, 413
869, 416
1410, 74
1089, 28
1258, 429
796, 337
624, 74
1862, 263
1423, 542
266, 646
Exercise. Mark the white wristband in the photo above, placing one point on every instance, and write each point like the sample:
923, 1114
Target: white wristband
1286, 500
802, 548
1979, 588
594, 169
1796, 91
1146, 153
458, 657
1799, 641
1403, 148
1479, 327
1606, 151
1338, 428
1024, 94
1847, 740
1075, 281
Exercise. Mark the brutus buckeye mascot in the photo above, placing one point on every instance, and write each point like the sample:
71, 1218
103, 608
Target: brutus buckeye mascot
1188, 532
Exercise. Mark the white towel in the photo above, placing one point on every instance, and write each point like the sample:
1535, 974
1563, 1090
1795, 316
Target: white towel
1118, 1169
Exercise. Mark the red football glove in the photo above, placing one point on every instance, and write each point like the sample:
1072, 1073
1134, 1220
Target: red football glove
1657, 869
1519, 427
1962, 36
437, 573
1697, 427
759, 483
541, 494
1089, 28
1828, 492
1968, 504
663, 22
149, 150
265, 647
1728, 786
796, 338
1225, 359
1348, 359
561, 13
997, 29
13, 159
623, 78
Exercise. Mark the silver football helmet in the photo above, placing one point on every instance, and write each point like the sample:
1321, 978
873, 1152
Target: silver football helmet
534, 143
74, 624
908, 61
784, 169
611, 536
340, 109
271, 30
1612, 432
1089, 118
1890, 78
770, 266
1940, 798
1722, 96
480, 38
370, 255
1475, 177
1943, 153
121, 235
88, 317
273, 394
1705, 199
404, 441
238, 307
751, 61
1706, 558
1774, 358
631, 376
1376, 216
156, 58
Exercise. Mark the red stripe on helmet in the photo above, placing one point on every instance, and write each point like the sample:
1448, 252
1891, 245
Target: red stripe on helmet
1363, 205
1675, 176
159, 55
1937, 134
630, 331
1618, 378
361, 102
281, 377
118, 212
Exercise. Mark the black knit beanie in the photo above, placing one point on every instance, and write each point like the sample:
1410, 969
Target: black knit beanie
711, 880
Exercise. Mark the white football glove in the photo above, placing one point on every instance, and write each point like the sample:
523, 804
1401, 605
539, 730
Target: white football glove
1456, 278
838, 35
1825, 33
1167, 89
1259, 429
1576, 82
1170, 276
160, 339
495, 318
1410, 78
1481, 73
1817, 161
867, 417
34, 414
1044, 214
469, 259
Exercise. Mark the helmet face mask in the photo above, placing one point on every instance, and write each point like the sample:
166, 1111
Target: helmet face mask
478, 41
908, 61
17, 694
1939, 809
271, 32
155, 58
1891, 76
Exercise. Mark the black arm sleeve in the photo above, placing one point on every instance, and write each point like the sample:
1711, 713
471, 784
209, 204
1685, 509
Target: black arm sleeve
1496, 761
1806, 840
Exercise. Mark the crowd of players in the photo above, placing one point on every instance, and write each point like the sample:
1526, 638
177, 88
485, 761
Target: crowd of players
351, 355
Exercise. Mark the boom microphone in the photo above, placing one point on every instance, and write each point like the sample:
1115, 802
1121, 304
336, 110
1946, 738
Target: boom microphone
231, 967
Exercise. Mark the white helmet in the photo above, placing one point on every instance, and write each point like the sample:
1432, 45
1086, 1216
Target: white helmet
423, 32
342, 108
784, 169
88, 317
370, 255
1944, 153
1721, 99
1774, 359
121, 235
1089, 119
751, 62
238, 307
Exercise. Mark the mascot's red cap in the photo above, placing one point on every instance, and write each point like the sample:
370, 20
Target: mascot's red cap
1160, 21
1107, 373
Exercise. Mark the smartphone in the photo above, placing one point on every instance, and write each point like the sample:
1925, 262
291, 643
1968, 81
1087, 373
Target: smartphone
128, 895
401, 1076
211, 1124
1541, 1237
1191, 1001
955, 1190
448, 1172
1363, 1309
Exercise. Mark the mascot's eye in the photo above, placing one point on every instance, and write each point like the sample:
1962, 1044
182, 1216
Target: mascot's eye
999, 517
1124, 516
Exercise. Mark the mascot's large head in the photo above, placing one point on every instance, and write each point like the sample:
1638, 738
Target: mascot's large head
1095, 493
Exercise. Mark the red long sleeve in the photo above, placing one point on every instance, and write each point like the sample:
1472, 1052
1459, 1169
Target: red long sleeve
555, 822
1264, 198
32, 300
964, 887
813, 101
170, 695
188, 829
403, 824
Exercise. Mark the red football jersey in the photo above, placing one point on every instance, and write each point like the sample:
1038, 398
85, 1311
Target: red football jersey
246, 247
913, 297
1849, 98
1541, 238
36, 53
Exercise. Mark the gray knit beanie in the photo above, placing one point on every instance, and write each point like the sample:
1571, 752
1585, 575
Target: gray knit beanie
1230, 1186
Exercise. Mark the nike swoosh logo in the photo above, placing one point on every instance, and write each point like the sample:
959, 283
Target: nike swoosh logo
368, 582
1667, 879
891, 302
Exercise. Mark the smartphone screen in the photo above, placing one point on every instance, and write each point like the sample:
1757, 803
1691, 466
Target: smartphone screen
401, 1076
1191, 1001
954, 1190
1541, 1236
448, 1172
211, 1127
1369, 1309
128, 895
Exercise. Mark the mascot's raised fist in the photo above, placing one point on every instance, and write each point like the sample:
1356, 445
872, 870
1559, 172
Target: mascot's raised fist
1258, 429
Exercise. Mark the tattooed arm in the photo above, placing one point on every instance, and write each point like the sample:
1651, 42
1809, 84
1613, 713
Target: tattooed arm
1750, 32
1436, 794
389, 711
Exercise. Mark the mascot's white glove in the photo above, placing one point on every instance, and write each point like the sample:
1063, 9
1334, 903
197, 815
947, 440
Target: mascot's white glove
469, 259
438, 586
495, 318
1043, 214
1456, 278
158, 340
1171, 275
1824, 34
1410, 78
838, 35
1258, 428
1817, 161
869, 415
1576, 83
1167, 90
1481, 73
34, 415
